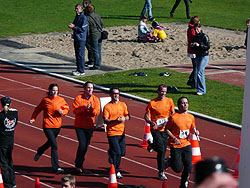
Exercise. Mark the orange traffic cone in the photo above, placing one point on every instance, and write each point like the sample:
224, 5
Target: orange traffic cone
164, 184
1, 179
37, 183
147, 135
112, 178
196, 152
236, 171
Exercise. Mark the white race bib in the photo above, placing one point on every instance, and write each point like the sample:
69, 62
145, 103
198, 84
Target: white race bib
184, 134
161, 122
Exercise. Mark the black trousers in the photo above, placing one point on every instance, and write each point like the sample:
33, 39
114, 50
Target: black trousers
177, 2
181, 158
51, 134
159, 145
6, 165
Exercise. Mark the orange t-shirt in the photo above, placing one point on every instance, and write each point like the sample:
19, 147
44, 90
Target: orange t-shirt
159, 109
51, 116
181, 125
112, 112
86, 118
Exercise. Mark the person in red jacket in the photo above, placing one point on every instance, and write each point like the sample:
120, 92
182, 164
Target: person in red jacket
192, 81
53, 107
86, 108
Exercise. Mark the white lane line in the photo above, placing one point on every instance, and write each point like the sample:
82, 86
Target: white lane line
64, 162
99, 149
29, 178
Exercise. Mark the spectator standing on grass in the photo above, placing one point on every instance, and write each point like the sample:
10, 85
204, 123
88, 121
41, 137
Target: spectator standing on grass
94, 41
177, 2
79, 27
53, 107
147, 7
157, 113
115, 114
192, 81
248, 25
143, 32
68, 181
85, 107
8, 122
179, 127
158, 34
201, 46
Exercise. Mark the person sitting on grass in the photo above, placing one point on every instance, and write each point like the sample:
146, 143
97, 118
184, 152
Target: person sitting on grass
143, 32
158, 34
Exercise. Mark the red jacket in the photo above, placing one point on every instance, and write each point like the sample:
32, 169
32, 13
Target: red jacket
190, 36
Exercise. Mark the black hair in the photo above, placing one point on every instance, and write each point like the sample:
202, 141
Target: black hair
86, 83
161, 86
51, 87
112, 88
179, 100
155, 24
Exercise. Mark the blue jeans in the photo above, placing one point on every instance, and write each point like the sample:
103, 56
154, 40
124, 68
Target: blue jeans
94, 46
80, 55
117, 149
51, 134
84, 137
181, 158
160, 140
201, 82
147, 7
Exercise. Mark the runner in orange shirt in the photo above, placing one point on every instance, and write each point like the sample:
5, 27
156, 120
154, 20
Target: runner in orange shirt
157, 113
53, 107
85, 107
115, 113
179, 127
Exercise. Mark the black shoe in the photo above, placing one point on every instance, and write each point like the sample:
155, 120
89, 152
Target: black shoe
188, 17
171, 14
80, 170
37, 156
190, 1
59, 171
151, 19
94, 68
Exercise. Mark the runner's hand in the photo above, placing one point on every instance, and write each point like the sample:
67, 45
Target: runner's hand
176, 141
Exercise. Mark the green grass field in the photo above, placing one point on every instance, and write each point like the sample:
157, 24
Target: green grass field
20, 17
224, 101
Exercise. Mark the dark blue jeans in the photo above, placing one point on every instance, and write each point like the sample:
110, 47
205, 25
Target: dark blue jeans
117, 149
84, 137
181, 158
80, 55
94, 46
160, 140
6, 165
51, 134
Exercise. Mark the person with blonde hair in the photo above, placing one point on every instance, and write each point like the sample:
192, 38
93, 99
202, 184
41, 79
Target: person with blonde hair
68, 181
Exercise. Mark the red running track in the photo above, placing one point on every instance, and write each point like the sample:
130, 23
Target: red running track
26, 89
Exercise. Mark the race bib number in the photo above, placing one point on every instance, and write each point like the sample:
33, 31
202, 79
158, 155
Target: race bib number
184, 134
161, 122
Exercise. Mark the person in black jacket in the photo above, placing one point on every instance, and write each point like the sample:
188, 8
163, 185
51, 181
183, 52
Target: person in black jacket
8, 122
94, 40
201, 45
79, 27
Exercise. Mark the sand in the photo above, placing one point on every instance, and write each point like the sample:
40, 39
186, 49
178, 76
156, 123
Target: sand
121, 50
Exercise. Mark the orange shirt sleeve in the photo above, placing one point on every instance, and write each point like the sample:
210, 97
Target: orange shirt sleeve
38, 109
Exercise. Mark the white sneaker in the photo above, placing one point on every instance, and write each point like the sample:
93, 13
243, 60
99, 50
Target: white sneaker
198, 93
76, 73
162, 176
118, 175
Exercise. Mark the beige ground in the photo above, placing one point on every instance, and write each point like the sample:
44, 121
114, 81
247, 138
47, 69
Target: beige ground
121, 49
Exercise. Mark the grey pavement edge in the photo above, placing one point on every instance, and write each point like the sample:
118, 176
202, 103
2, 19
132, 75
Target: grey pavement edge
202, 116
